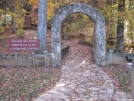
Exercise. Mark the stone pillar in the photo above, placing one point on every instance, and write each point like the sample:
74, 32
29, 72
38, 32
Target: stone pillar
132, 80
110, 56
42, 24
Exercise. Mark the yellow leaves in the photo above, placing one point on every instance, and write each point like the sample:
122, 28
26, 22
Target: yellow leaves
35, 2
1, 11
50, 10
51, 6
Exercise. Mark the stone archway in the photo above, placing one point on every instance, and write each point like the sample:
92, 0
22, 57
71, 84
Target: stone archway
100, 35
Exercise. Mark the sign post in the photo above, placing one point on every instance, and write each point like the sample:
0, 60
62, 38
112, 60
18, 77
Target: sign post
26, 44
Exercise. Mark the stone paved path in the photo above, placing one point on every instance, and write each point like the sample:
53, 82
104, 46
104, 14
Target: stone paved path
81, 80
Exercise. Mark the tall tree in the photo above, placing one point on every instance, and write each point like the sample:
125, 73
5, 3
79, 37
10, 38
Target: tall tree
13, 19
120, 28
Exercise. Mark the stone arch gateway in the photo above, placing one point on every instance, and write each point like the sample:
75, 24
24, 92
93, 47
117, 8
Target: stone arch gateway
100, 34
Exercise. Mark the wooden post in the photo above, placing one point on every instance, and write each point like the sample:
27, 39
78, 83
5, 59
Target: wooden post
16, 60
132, 80
33, 58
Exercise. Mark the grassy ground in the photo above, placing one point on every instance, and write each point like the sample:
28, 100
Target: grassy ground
26, 82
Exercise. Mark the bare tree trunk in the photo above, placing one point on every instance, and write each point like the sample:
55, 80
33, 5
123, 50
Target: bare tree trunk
13, 21
120, 36
4, 13
95, 2
14, 25
120, 29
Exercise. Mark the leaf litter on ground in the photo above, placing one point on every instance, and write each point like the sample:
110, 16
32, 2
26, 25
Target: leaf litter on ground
23, 82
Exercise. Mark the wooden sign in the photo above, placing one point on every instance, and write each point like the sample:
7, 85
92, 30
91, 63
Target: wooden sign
26, 44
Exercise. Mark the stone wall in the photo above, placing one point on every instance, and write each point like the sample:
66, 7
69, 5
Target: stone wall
100, 35
119, 58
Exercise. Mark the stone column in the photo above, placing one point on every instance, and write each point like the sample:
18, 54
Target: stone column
42, 24
110, 56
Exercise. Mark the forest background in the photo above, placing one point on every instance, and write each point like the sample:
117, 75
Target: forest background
118, 14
